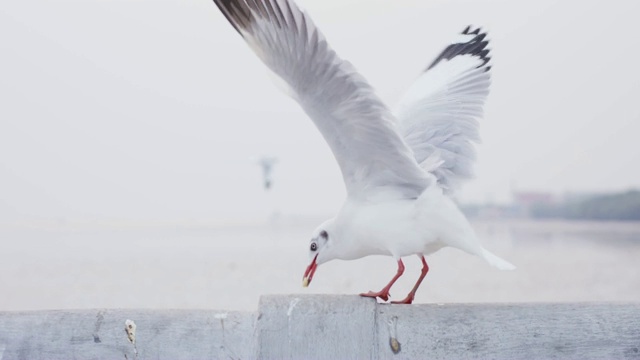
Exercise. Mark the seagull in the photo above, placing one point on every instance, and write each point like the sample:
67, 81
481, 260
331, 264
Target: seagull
400, 166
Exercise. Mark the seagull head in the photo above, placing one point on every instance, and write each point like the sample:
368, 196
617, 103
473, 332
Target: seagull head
319, 249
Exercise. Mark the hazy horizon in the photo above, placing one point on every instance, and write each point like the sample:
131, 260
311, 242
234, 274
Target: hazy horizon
157, 110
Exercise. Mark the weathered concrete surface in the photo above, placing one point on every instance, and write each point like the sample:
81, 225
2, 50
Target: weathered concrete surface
331, 327
94, 334
512, 331
316, 327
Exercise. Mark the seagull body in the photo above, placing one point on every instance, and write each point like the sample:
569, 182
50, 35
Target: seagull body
417, 227
400, 167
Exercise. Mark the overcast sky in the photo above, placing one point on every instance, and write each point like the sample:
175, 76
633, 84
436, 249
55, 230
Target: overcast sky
156, 110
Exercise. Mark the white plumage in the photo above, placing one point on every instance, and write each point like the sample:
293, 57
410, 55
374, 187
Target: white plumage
398, 167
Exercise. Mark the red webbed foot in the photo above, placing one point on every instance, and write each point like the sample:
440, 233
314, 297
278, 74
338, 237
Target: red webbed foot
380, 294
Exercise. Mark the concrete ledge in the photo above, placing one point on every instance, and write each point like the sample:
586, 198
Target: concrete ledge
100, 334
330, 327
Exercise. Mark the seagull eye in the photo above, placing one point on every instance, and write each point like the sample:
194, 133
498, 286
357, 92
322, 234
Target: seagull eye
314, 247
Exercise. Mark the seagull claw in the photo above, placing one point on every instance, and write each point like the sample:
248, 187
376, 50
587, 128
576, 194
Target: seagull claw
408, 300
380, 294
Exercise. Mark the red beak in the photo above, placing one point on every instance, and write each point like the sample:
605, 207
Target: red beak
308, 274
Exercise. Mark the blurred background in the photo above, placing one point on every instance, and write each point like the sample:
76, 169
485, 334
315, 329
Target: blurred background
148, 161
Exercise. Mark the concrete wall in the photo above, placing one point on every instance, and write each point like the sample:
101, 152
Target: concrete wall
330, 327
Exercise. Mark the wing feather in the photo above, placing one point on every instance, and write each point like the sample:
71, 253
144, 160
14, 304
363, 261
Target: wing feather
360, 130
440, 111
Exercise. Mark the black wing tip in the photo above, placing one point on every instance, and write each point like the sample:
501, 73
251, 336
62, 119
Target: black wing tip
477, 46
237, 13
242, 13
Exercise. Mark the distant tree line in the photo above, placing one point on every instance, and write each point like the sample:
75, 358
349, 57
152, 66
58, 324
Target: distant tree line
618, 206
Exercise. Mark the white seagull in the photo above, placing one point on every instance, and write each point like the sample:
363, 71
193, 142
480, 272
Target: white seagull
399, 167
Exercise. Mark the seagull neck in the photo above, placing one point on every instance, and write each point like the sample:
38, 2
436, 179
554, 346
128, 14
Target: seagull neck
348, 243
344, 248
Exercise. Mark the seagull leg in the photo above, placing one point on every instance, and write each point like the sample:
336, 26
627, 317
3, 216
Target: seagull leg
384, 293
412, 294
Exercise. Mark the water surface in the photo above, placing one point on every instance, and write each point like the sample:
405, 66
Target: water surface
217, 267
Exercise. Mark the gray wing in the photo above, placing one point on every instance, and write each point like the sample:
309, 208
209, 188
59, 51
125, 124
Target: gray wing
439, 113
360, 130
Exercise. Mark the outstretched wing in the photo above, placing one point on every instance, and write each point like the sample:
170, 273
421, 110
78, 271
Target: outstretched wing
439, 113
359, 128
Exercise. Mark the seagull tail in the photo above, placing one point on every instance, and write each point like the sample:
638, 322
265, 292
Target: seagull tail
496, 262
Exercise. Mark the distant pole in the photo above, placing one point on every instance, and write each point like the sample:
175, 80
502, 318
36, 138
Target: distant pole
267, 164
